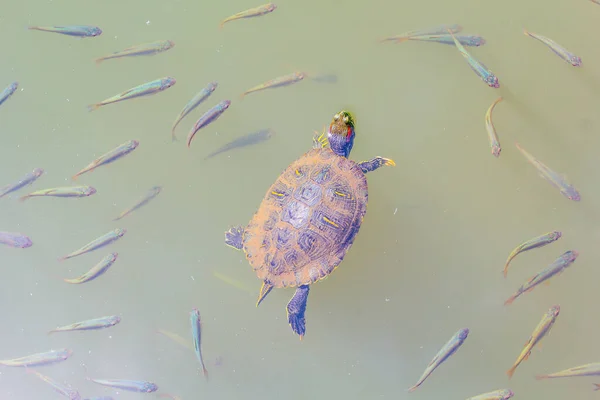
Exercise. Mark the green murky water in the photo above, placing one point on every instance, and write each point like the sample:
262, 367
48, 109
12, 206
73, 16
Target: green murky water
429, 255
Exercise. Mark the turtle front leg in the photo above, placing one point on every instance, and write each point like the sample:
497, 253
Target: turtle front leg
296, 308
372, 165
233, 237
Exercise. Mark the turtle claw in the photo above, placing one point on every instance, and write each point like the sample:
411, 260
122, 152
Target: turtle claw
234, 236
320, 140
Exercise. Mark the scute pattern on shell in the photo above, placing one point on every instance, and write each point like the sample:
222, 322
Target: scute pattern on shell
307, 220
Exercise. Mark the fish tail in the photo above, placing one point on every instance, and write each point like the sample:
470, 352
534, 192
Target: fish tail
511, 371
510, 300
222, 24
597, 386
93, 107
74, 177
99, 60
33, 28
23, 198
243, 95
63, 258
52, 331
539, 377
205, 372
402, 39
413, 388
526, 32
505, 270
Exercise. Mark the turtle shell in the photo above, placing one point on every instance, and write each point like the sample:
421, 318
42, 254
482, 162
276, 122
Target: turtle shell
307, 220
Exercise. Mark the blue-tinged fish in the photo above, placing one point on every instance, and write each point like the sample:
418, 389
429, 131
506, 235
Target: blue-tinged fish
39, 359
192, 104
479, 68
556, 268
253, 12
90, 324
72, 30
69, 191
501, 394
109, 157
8, 91
243, 141
146, 49
197, 337
16, 240
21, 183
465, 40
284, 80
207, 118
491, 130
126, 384
96, 270
144, 89
557, 180
177, 338
445, 352
152, 193
592, 369
556, 48
539, 241
436, 30
102, 241
541, 330
67, 392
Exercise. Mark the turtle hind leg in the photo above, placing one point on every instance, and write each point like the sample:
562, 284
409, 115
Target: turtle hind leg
233, 237
377, 162
296, 308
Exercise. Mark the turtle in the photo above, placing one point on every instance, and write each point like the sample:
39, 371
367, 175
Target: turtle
309, 218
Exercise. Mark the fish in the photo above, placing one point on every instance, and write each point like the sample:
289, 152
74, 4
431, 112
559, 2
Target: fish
126, 384
530, 244
445, 352
207, 118
501, 394
233, 282
15, 240
436, 30
595, 1
489, 126
284, 80
96, 270
197, 337
592, 369
95, 244
192, 104
556, 268
242, 141
21, 183
68, 191
144, 89
479, 68
90, 324
541, 330
559, 181
109, 157
69, 393
176, 338
146, 49
8, 91
152, 193
81, 31
465, 40
556, 48
39, 359
253, 12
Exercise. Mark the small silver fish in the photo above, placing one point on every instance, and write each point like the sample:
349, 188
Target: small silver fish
445, 352
102, 241
69, 191
90, 324
436, 30
478, 67
152, 193
207, 118
192, 104
96, 270
21, 183
144, 89
16, 240
502, 394
530, 244
109, 157
38, 359
491, 130
146, 49
72, 30
69, 393
242, 141
556, 48
126, 384
8, 91
592, 369
197, 337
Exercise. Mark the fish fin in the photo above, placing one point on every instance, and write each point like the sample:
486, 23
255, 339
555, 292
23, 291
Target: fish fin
597, 386
540, 377
511, 371
93, 107
510, 300
526, 32
412, 389
23, 198
99, 60
205, 372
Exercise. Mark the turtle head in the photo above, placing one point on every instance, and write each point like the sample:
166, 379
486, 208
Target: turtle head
341, 133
